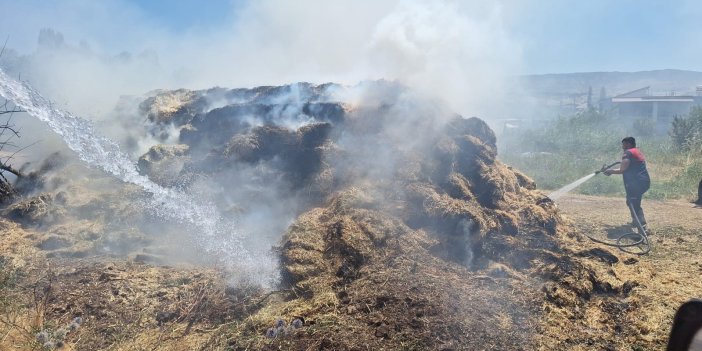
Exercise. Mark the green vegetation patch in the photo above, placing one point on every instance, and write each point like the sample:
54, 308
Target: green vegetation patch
571, 147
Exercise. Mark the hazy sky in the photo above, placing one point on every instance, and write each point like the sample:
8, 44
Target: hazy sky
461, 51
464, 52
607, 35
553, 35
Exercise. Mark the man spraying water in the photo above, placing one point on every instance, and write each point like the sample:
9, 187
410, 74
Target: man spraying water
636, 178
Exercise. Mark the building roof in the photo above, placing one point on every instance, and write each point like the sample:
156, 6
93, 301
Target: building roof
644, 95
641, 92
654, 99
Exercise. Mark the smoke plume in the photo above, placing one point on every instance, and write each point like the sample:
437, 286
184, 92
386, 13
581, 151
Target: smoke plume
432, 57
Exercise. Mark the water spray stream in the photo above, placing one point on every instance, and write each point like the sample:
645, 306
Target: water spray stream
215, 238
634, 242
568, 188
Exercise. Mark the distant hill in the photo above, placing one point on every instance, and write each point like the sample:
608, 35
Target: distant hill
615, 83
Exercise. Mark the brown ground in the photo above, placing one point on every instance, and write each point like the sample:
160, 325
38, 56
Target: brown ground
133, 306
667, 277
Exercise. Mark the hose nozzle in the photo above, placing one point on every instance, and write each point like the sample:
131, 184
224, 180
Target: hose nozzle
606, 167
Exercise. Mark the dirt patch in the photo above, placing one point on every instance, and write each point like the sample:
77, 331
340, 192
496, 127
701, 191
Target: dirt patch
655, 284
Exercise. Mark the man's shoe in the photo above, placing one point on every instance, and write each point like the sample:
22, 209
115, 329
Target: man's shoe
635, 226
638, 230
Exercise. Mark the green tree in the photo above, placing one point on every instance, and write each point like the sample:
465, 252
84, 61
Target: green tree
686, 131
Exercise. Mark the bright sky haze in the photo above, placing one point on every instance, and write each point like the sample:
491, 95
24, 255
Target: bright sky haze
462, 51
554, 36
623, 35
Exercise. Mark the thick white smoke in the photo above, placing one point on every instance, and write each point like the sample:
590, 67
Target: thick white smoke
460, 51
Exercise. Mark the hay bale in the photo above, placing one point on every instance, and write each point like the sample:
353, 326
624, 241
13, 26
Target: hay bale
471, 153
216, 127
322, 185
493, 183
458, 187
243, 147
333, 112
313, 135
172, 106
164, 163
331, 245
36, 210
261, 143
523, 180
302, 254
7, 192
473, 126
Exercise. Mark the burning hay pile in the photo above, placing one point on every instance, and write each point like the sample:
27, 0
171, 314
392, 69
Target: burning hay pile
412, 240
408, 233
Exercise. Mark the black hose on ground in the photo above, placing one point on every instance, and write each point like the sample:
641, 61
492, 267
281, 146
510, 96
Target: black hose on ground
627, 242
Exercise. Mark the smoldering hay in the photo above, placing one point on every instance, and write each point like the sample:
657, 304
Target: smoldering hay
391, 217
396, 199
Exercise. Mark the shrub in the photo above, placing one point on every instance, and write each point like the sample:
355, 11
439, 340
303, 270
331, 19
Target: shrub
569, 148
686, 131
644, 127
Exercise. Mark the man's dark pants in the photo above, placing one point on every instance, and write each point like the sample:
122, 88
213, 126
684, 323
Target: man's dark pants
634, 193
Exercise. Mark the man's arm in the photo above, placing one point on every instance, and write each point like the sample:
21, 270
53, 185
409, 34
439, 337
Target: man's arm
622, 167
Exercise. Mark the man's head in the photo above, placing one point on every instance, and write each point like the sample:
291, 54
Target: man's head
628, 143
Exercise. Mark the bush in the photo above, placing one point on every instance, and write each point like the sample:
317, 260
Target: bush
644, 127
570, 148
686, 132
566, 149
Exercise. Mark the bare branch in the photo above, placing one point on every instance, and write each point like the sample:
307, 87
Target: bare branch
9, 168
4, 45
7, 110
6, 143
7, 132
22, 149
2, 131
9, 127
4, 179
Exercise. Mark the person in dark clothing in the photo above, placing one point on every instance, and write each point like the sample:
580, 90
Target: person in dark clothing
636, 178
699, 194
